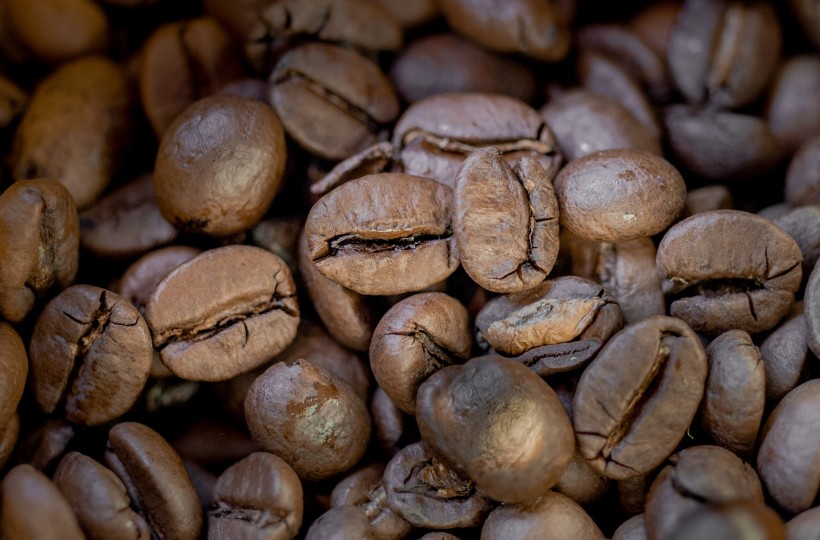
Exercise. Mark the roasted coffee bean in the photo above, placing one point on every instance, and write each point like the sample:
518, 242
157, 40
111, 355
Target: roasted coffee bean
632, 492
156, 481
98, 499
629, 51
632, 529
793, 111
332, 101
551, 517
558, 326
724, 51
390, 426
603, 76
259, 497
429, 494
721, 146
654, 23
802, 178
219, 165
47, 444
312, 344
56, 31
618, 195
415, 338
445, 63
812, 310
533, 28
802, 224
341, 523
13, 372
580, 482
39, 244
90, 355
309, 417
384, 234
410, 13
183, 62
126, 222
784, 354
787, 458
13, 101
694, 478
644, 385
492, 406
214, 444
8, 438
280, 236
90, 99
355, 23
735, 395
585, 123
223, 312
728, 270
439, 536
505, 221
435, 135
732, 521
247, 87
707, 198
345, 313
32, 507
141, 278
364, 489
804, 526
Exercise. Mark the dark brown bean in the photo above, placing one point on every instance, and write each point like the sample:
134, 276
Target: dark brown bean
551, 517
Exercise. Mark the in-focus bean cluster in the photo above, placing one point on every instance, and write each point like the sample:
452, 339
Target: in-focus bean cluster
425, 269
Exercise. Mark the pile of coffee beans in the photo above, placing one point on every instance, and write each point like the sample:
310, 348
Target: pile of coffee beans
423, 269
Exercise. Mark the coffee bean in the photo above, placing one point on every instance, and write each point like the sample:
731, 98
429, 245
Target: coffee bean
735, 394
8, 438
183, 62
585, 123
90, 99
384, 234
793, 110
580, 482
707, 198
219, 165
259, 497
598, 200
727, 270
632, 492
512, 415
632, 529
784, 354
12, 101
721, 146
445, 63
126, 222
342, 523
213, 444
34, 508
332, 101
13, 372
415, 338
787, 459
804, 526
141, 278
355, 23
280, 236
532, 28
505, 221
739, 519
39, 244
645, 384
156, 481
812, 310
434, 136
558, 326
345, 313
83, 28
429, 494
802, 224
724, 52
309, 417
365, 490
392, 429
223, 312
552, 517
805, 11
802, 180
90, 355
98, 499
693, 479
